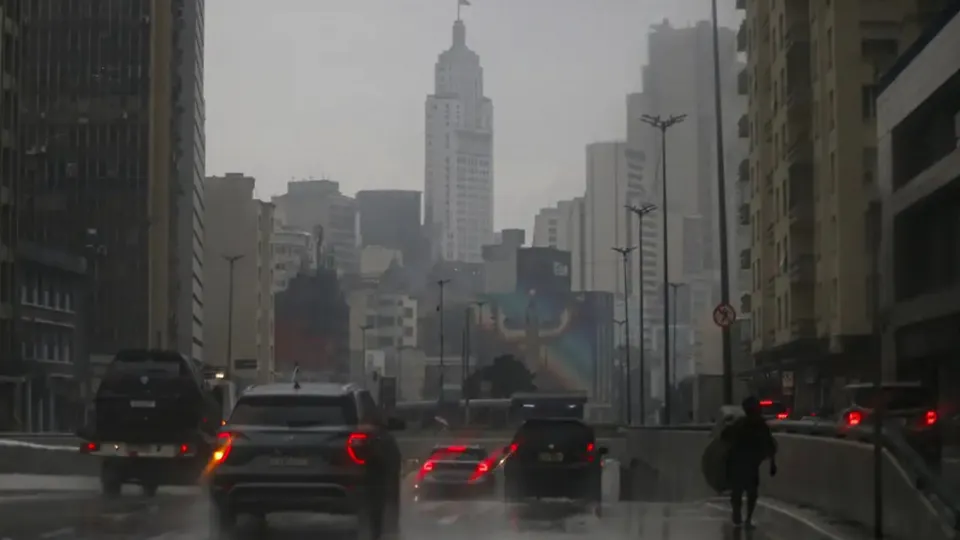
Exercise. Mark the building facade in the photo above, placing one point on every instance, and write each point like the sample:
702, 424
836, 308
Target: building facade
318, 207
458, 176
390, 218
811, 78
918, 127
238, 253
293, 252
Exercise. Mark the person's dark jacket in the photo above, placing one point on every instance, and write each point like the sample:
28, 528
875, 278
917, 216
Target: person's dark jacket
750, 442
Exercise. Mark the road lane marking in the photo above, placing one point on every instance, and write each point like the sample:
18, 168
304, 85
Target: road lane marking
810, 524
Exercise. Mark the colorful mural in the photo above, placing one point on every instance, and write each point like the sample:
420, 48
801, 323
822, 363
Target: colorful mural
564, 338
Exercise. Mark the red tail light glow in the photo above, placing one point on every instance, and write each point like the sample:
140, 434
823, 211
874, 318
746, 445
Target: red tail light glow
854, 418
513, 448
930, 418
766, 402
590, 448
782, 416
184, 449
90, 447
457, 449
220, 454
425, 469
482, 468
354, 442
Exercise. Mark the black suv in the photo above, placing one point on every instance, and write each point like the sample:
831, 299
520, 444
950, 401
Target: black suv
311, 447
554, 458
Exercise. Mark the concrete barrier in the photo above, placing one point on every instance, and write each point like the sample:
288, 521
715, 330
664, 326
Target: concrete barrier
834, 476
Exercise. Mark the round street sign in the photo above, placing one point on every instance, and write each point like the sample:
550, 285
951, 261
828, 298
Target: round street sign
724, 315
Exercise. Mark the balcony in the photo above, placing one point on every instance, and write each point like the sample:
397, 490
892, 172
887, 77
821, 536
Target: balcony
743, 170
744, 214
800, 149
745, 259
742, 37
743, 127
743, 82
803, 269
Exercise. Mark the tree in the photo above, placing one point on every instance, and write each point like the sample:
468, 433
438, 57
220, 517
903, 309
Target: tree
507, 375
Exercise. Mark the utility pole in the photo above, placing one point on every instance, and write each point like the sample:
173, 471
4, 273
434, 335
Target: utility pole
722, 214
363, 351
641, 211
663, 124
232, 261
465, 370
625, 253
479, 304
441, 283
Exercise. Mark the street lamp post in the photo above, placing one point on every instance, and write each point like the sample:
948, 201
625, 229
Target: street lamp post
232, 261
674, 287
641, 211
441, 283
621, 388
663, 124
479, 327
722, 214
625, 253
363, 351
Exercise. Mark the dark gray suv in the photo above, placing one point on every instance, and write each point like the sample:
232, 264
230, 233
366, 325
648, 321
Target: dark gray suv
311, 447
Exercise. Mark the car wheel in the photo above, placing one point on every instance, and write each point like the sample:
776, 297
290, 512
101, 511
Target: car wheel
111, 483
223, 521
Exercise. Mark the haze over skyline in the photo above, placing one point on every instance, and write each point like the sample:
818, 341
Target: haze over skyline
336, 88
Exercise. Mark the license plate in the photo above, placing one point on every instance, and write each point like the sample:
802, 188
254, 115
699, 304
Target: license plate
143, 404
288, 462
551, 457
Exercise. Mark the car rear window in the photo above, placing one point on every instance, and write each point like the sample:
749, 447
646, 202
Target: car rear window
153, 363
533, 430
459, 454
294, 411
898, 398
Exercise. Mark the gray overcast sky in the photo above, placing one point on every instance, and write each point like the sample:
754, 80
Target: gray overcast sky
300, 88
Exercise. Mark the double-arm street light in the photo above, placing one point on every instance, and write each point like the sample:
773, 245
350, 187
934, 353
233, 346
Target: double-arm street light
364, 328
625, 253
663, 124
641, 210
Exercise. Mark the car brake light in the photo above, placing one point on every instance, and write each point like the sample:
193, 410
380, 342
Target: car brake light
184, 449
782, 416
482, 468
425, 469
220, 454
930, 418
854, 418
457, 449
766, 402
513, 448
90, 447
355, 441
590, 448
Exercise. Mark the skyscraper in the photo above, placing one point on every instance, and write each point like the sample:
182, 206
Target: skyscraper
391, 218
458, 175
115, 159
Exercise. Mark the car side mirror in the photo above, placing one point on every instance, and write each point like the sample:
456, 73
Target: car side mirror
603, 450
396, 424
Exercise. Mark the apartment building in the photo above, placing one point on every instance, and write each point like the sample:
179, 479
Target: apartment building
293, 252
239, 242
318, 207
811, 78
918, 125
380, 320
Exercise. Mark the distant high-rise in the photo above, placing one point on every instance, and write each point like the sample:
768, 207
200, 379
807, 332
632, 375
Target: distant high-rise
458, 175
391, 218
318, 207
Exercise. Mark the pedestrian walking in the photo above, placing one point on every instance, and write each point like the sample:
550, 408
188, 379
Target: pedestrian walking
750, 442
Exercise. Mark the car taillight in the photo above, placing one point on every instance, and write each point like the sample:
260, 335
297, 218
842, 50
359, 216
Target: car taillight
590, 449
482, 468
90, 447
782, 416
457, 449
930, 418
766, 402
220, 454
425, 469
355, 443
512, 449
854, 418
